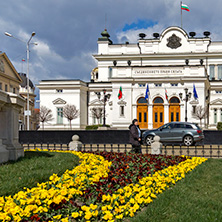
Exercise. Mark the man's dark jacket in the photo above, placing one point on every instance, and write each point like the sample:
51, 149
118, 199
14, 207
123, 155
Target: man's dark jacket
134, 135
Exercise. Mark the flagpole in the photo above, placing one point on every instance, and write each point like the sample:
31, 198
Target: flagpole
181, 14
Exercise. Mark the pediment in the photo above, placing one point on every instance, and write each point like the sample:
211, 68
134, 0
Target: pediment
7, 68
194, 102
216, 102
59, 101
122, 103
96, 102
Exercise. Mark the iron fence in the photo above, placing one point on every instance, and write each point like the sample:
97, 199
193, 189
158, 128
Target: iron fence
208, 151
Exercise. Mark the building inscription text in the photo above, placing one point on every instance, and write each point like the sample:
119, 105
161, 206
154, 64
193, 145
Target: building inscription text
152, 71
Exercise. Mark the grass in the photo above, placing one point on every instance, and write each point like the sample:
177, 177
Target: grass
198, 197
34, 167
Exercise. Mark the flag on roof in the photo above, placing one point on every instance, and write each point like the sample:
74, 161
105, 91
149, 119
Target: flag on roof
120, 95
147, 92
185, 7
166, 95
195, 92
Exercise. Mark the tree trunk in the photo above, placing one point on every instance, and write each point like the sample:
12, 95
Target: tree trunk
70, 124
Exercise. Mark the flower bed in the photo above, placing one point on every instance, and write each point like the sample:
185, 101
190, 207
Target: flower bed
98, 189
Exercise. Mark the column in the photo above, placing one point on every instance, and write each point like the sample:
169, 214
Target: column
166, 113
150, 116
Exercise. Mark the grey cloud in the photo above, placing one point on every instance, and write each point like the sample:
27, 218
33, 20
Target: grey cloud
69, 29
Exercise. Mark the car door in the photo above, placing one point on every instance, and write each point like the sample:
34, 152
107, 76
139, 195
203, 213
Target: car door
177, 132
164, 132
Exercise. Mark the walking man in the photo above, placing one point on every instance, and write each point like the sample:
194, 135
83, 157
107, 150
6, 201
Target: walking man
135, 136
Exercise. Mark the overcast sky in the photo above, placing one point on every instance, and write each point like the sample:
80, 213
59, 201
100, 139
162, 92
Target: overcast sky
67, 30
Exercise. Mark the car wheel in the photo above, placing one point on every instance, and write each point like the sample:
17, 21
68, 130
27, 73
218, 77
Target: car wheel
188, 140
149, 140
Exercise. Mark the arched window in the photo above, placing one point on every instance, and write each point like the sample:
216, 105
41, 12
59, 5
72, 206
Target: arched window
174, 100
142, 100
158, 100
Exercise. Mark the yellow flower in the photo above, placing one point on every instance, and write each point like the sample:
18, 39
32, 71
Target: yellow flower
75, 214
88, 215
57, 217
65, 219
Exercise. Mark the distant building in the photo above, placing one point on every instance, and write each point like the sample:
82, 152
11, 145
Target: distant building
33, 121
167, 64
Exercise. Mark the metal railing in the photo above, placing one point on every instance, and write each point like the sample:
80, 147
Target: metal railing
208, 151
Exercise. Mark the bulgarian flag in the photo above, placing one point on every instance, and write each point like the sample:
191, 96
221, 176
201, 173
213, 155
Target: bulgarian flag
166, 95
120, 95
184, 7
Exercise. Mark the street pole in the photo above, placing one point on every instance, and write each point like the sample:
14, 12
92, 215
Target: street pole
27, 74
27, 77
186, 99
104, 108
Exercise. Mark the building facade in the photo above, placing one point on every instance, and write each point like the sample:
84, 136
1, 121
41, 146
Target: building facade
165, 78
11, 104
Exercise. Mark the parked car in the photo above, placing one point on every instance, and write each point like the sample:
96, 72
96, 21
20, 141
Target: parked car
187, 133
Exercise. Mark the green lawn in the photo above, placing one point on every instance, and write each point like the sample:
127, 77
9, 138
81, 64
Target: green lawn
35, 167
198, 197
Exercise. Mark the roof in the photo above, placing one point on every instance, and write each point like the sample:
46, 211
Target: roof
24, 81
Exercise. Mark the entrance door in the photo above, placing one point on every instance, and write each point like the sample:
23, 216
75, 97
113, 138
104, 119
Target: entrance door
158, 112
142, 113
174, 109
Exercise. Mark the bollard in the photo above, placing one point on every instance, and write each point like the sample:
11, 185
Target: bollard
75, 144
156, 146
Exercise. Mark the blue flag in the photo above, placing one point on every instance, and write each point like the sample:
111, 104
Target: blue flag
147, 92
195, 92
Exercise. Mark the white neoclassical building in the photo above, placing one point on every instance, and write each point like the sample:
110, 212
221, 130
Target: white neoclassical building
168, 63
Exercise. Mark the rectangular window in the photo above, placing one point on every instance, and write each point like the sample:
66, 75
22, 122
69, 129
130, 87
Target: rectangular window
140, 117
59, 115
156, 118
145, 117
177, 116
94, 121
194, 109
121, 110
0, 86
212, 73
172, 119
6, 88
215, 115
13, 90
110, 72
161, 117
219, 72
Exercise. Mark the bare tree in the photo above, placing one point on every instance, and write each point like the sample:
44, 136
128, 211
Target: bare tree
200, 113
45, 115
97, 112
70, 112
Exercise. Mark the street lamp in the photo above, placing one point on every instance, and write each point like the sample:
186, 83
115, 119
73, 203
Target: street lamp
105, 98
27, 74
186, 99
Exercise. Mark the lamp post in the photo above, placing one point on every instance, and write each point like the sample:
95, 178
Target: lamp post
27, 74
105, 98
186, 99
